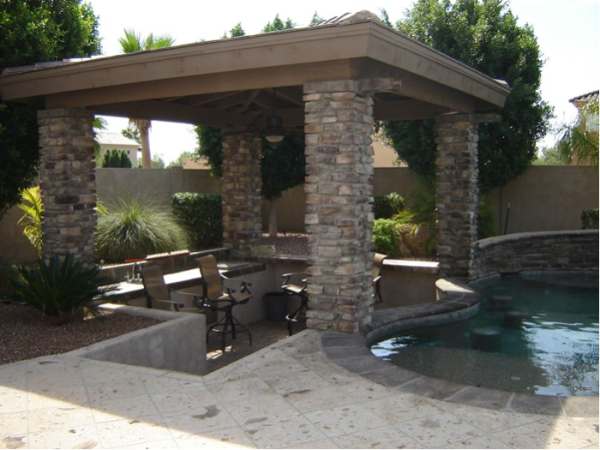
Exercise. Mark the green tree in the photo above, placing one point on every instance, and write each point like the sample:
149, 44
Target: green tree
278, 25
132, 42
30, 32
181, 159
485, 35
237, 31
549, 156
316, 20
116, 158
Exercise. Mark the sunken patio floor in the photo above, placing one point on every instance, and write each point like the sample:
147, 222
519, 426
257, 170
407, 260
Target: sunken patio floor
287, 394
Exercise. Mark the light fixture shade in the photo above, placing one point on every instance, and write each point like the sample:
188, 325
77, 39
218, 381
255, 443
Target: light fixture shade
274, 138
274, 133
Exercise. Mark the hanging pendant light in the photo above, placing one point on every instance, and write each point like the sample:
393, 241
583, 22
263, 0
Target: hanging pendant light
274, 132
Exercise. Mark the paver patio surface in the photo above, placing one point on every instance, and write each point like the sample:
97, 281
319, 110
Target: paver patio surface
285, 395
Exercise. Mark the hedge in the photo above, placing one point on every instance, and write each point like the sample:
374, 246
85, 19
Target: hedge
201, 217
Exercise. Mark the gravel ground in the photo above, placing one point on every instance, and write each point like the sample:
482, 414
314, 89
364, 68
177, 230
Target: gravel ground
24, 333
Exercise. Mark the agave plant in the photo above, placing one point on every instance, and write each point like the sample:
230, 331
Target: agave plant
60, 288
133, 230
33, 214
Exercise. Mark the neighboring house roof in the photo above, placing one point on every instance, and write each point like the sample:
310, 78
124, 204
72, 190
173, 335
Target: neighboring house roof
584, 98
111, 138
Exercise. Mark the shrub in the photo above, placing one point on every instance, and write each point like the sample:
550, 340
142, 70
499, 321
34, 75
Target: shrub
33, 214
201, 216
116, 158
59, 288
387, 206
385, 236
589, 219
133, 230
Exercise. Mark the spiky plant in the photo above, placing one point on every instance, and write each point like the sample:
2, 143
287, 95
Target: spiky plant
33, 215
132, 229
579, 141
60, 288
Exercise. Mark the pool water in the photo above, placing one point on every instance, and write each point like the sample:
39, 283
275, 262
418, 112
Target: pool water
548, 344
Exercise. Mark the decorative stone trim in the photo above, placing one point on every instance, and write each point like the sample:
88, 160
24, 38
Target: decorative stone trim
241, 191
67, 181
338, 218
457, 192
574, 250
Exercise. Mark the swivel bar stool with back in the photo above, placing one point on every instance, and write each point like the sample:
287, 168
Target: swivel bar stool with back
216, 299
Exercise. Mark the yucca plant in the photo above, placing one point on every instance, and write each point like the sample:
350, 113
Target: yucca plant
60, 288
133, 230
33, 215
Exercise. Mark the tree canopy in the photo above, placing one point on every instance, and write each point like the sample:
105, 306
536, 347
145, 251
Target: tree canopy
30, 32
485, 35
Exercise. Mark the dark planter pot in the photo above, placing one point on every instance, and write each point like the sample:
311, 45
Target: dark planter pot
277, 306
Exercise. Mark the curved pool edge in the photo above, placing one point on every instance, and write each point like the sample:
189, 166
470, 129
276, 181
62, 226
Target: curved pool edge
456, 301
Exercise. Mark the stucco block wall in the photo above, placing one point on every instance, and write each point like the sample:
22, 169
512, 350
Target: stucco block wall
543, 198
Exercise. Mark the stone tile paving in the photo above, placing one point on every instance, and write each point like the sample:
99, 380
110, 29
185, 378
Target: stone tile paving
285, 395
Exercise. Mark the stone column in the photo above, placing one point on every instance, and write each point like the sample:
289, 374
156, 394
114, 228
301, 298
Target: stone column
457, 192
68, 182
339, 217
241, 186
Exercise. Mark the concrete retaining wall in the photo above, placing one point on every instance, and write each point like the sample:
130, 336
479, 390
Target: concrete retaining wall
178, 344
559, 250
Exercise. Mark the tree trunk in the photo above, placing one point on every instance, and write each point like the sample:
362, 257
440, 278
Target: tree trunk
273, 217
144, 126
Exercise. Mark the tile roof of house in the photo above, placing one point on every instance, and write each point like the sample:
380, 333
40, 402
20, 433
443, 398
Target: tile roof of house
585, 97
112, 138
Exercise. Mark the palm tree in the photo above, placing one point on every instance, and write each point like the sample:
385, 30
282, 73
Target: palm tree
132, 42
579, 141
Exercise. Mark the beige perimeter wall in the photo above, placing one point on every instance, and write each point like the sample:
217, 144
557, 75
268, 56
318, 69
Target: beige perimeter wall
543, 198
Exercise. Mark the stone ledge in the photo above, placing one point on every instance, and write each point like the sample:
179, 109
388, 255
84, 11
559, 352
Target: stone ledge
488, 242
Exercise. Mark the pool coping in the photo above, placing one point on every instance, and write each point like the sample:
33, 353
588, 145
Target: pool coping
456, 301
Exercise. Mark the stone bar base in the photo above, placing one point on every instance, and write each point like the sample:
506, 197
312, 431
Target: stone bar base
457, 193
338, 187
68, 183
241, 191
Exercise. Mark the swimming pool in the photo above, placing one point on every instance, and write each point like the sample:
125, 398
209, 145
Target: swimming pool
535, 333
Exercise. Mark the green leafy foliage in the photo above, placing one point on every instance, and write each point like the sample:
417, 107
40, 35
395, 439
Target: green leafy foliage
485, 35
134, 42
210, 146
35, 31
385, 236
579, 141
116, 158
33, 214
387, 206
60, 288
132, 229
200, 215
278, 25
589, 219
486, 222
282, 165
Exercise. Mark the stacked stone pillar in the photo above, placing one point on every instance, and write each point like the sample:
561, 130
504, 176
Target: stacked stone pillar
339, 217
241, 191
457, 192
68, 183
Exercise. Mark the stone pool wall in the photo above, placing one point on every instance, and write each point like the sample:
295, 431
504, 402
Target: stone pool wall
575, 250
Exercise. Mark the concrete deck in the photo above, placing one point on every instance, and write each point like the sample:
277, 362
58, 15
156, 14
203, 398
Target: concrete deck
285, 395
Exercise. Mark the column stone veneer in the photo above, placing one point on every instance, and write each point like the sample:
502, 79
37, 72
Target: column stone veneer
68, 182
339, 217
241, 191
457, 192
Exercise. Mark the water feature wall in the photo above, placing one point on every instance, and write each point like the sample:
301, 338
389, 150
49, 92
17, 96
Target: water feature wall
575, 250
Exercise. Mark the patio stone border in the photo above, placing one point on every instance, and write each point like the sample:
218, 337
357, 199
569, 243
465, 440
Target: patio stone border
170, 345
457, 301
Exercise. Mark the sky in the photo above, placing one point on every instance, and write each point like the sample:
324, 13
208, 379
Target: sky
568, 33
